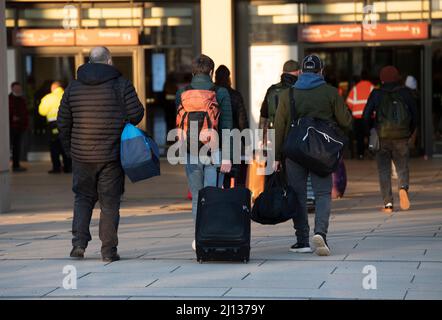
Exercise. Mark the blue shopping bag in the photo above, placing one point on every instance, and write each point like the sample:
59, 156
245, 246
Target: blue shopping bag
140, 155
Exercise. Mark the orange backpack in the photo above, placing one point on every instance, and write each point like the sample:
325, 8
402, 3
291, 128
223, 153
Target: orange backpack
200, 106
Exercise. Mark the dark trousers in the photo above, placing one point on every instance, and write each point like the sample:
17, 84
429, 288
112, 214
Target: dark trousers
359, 134
57, 150
16, 142
398, 152
322, 187
102, 182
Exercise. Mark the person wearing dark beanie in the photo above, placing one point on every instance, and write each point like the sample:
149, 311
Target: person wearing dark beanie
240, 121
391, 114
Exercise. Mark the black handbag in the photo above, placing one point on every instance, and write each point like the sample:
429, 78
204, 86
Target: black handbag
315, 144
277, 204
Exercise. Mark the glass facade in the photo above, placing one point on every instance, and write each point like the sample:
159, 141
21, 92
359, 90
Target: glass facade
166, 37
159, 23
279, 23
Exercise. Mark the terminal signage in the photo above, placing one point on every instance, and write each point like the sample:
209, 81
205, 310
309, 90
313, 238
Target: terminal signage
396, 31
80, 37
106, 37
331, 33
43, 37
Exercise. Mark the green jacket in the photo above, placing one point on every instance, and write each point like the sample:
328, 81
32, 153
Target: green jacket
204, 82
313, 98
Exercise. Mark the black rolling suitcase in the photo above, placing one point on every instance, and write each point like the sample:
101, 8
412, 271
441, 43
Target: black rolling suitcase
222, 230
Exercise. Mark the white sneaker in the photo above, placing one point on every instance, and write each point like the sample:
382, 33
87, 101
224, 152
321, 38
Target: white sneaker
194, 245
321, 246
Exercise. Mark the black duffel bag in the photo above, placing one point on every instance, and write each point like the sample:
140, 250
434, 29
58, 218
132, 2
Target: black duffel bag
315, 144
276, 204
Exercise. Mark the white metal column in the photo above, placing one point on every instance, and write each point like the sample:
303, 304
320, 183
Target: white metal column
217, 39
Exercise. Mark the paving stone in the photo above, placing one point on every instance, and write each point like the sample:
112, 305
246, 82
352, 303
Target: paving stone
141, 292
156, 233
24, 292
424, 295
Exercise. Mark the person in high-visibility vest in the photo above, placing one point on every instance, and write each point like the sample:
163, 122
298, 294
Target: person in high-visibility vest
356, 101
49, 108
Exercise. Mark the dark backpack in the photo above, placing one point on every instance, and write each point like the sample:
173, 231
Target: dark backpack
393, 117
273, 100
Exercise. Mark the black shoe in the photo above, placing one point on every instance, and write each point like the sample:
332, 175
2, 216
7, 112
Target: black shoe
320, 242
53, 171
67, 170
112, 258
19, 169
301, 248
77, 252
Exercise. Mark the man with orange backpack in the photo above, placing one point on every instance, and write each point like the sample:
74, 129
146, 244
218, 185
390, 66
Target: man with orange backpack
203, 106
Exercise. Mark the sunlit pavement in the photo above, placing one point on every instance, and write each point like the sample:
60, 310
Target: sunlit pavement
156, 232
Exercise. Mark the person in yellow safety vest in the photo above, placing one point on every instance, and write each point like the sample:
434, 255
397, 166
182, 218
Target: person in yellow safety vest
49, 108
356, 101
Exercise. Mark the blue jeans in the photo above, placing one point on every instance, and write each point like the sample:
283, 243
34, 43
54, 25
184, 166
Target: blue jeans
200, 176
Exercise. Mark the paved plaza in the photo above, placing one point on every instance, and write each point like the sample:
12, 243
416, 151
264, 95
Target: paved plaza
156, 232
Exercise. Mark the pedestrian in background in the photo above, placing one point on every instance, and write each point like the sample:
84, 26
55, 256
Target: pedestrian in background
48, 108
356, 101
313, 97
394, 122
289, 76
411, 84
239, 120
200, 174
18, 123
93, 112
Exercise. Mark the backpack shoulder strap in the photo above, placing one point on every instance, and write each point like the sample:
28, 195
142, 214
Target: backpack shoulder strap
292, 104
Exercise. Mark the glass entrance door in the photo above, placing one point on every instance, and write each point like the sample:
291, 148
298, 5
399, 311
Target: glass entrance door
167, 70
437, 100
39, 72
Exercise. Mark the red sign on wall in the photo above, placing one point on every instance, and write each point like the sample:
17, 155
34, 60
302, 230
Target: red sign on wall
396, 31
43, 37
331, 33
106, 37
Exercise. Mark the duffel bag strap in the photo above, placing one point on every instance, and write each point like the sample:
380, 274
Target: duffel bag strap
292, 104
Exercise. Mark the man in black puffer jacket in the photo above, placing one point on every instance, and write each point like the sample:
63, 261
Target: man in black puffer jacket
90, 120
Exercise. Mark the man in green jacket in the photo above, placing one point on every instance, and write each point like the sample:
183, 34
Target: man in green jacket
200, 174
313, 98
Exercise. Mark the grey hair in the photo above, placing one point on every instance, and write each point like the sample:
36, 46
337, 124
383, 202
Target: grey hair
99, 55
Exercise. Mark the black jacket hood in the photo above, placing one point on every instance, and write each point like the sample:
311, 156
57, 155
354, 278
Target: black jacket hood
288, 79
97, 73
